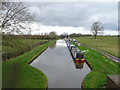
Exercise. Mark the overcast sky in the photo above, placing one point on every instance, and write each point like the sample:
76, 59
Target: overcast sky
75, 17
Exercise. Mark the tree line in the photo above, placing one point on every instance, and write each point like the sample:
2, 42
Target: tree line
48, 37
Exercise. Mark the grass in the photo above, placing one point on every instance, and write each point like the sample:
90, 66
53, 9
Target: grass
14, 47
18, 74
105, 43
101, 67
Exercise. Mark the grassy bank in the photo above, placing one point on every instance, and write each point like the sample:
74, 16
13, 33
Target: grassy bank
101, 67
18, 74
106, 43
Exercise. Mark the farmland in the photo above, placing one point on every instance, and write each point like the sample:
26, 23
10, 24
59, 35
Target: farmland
48, 45
15, 45
105, 43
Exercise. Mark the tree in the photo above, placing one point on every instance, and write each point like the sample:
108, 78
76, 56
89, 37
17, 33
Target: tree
63, 35
52, 33
13, 15
96, 28
75, 35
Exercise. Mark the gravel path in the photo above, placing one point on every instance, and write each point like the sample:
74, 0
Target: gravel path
116, 59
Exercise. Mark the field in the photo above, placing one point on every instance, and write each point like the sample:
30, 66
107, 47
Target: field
18, 74
14, 47
105, 43
101, 67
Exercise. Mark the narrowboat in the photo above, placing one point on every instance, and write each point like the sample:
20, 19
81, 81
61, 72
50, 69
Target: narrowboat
77, 55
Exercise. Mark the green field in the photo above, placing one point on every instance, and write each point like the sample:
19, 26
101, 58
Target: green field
101, 67
14, 47
106, 43
18, 74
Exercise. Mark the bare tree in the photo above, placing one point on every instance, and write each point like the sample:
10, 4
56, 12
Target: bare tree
97, 28
13, 15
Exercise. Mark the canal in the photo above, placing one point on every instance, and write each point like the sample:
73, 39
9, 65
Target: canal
57, 64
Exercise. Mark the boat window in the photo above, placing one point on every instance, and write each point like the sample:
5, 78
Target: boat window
80, 56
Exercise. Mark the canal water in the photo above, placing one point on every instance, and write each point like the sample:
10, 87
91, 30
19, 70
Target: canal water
57, 64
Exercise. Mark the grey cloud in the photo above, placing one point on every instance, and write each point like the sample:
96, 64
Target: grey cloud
77, 14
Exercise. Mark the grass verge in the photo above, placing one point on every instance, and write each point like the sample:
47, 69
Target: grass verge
16, 73
101, 67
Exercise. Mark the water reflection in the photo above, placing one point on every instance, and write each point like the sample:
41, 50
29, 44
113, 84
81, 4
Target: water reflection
58, 66
60, 43
53, 46
79, 66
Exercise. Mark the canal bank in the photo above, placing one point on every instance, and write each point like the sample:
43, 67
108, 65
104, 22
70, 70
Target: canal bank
57, 64
16, 73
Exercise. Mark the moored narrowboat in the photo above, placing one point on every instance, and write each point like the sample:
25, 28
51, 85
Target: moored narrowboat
77, 55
